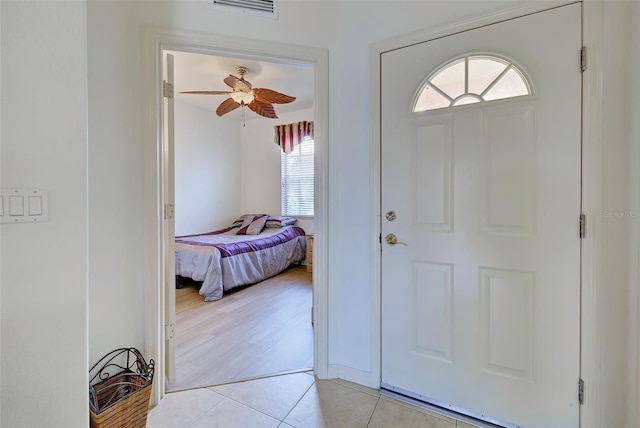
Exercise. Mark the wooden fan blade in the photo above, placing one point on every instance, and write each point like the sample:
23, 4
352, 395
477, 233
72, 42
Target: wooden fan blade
206, 92
263, 109
226, 106
231, 81
270, 96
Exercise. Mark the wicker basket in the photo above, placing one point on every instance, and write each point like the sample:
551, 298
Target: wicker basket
122, 399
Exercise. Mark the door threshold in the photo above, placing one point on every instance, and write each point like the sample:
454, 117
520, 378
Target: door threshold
442, 408
239, 380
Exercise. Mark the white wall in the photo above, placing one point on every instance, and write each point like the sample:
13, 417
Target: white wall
261, 166
620, 217
115, 183
634, 251
224, 169
43, 356
207, 170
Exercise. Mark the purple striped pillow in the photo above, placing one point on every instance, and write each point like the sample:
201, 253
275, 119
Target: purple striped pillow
253, 225
243, 220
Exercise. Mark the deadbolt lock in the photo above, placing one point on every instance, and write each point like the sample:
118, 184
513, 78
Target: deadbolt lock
391, 215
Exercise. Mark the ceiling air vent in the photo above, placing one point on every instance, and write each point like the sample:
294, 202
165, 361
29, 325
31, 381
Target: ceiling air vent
266, 8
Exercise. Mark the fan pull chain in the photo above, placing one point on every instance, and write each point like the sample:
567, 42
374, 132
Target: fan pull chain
244, 124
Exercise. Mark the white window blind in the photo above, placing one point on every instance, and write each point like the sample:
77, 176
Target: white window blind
297, 180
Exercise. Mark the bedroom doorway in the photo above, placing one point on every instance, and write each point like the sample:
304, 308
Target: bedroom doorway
298, 276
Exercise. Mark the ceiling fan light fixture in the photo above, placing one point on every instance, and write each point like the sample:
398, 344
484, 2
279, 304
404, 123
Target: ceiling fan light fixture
242, 97
258, 100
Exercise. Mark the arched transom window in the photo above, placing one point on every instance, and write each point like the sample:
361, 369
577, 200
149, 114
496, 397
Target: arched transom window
471, 79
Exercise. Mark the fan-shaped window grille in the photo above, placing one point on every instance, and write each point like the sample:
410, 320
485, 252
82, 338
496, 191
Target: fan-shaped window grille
471, 79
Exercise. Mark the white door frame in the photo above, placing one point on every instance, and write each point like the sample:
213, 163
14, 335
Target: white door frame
155, 41
592, 142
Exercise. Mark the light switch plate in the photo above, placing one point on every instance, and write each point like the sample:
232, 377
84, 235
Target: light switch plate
24, 205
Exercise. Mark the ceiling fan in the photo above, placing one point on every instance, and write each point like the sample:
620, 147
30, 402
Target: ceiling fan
259, 100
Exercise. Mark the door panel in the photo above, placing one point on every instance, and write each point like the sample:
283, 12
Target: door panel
169, 226
480, 308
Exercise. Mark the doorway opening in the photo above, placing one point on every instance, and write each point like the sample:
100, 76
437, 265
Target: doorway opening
158, 326
225, 166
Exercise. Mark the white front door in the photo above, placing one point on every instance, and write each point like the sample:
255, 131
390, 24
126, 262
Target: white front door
481, 296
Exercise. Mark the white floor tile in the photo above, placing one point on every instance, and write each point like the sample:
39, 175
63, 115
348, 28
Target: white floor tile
295, 400
328, 404
231, 414
274, 396
181, 409
389, 414
225, 389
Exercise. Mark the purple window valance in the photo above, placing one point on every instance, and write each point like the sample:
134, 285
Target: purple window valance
290, 135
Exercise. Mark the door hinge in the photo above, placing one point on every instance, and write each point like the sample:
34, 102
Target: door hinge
580, 391
169, 211
583, 225
169, 331
583, 59
167, 89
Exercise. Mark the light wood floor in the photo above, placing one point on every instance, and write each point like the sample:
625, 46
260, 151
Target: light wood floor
260, 330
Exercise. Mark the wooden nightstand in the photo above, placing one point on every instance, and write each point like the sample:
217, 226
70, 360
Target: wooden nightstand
309, 253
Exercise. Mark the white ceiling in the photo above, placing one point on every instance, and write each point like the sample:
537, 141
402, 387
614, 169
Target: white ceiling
199, 72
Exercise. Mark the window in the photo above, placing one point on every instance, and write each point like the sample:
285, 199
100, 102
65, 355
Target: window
472, 79
296, 177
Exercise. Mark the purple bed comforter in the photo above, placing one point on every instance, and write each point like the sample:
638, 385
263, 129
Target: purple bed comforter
223, 260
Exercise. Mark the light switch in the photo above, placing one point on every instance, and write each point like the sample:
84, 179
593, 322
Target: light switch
35, 205
16, 205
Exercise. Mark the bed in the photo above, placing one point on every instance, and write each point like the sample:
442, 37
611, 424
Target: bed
238, 255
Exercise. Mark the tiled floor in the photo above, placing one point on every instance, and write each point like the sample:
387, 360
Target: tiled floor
294, 400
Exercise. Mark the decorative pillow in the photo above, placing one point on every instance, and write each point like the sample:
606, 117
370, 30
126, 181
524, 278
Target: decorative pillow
254, 226
240, 221
280, 221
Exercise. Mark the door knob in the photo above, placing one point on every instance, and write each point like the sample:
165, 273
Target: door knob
393, 240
